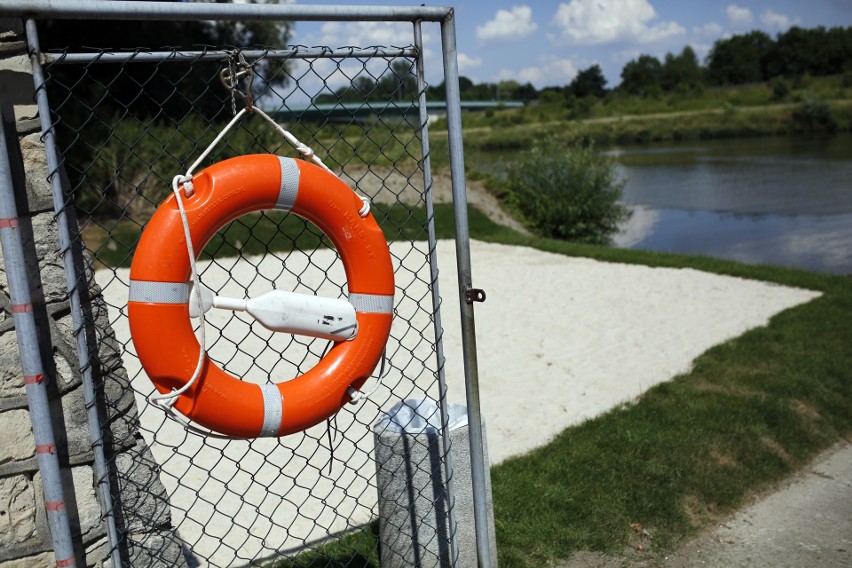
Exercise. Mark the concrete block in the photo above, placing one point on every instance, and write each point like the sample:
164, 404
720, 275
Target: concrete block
16, 83
45, 269
17, 511
98, 553
155, 550
11, 374
10, 28
413, 508
88, 506
16, 431
37, 561
144, 501
39, 190
75, 437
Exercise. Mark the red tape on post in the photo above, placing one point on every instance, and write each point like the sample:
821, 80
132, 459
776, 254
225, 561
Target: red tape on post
45, 448
33, 379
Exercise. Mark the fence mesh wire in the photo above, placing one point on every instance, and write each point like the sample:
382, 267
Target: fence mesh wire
124, 130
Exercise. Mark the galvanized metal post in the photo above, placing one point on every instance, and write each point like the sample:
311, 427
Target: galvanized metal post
189, 55
471, 371
123, 10
74, 291
31, 363
436, 293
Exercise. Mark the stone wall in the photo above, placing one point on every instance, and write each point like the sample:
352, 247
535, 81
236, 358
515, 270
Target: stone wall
140, 502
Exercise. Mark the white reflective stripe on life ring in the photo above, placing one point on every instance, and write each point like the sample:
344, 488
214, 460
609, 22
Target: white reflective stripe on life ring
159, 292
273, 410
289, 184
371, 303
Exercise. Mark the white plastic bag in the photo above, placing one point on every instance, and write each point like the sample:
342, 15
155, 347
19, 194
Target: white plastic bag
415, 416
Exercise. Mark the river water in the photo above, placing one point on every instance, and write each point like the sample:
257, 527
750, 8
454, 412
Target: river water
784, 201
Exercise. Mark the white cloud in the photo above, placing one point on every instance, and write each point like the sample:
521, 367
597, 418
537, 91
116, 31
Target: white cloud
366, 34
548, 72
595, 22
777, 21
639, 227
507, 26
710, 29
738, 15
467, 62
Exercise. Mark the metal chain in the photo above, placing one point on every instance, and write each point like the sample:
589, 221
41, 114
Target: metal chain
238, 68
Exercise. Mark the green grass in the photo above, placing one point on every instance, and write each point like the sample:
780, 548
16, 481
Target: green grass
751, 412
112, 244
354, 550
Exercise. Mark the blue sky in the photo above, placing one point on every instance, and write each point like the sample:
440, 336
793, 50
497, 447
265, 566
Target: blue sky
546, 42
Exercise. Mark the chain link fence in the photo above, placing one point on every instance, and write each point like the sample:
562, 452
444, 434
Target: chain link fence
126, 122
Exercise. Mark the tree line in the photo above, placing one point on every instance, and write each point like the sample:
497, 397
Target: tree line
740, 59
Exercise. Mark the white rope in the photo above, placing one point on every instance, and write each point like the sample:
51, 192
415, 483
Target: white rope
167, 401
358, 395
209, 149
365, 209
302, 149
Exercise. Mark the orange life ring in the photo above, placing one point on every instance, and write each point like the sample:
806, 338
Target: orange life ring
158, 308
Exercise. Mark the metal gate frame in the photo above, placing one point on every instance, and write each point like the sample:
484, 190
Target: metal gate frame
125, 10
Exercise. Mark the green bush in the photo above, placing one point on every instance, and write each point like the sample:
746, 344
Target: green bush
780, 89
569, 193
814, 113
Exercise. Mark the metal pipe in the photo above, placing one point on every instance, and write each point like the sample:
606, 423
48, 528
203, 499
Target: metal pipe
65, 242
123, 10
31, 363
221, 55
479, 469
436, 292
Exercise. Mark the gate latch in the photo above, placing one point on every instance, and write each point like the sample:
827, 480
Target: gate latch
474, 295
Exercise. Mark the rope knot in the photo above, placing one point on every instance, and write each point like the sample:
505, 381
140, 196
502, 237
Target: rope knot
365, 209
306, 151
186, 181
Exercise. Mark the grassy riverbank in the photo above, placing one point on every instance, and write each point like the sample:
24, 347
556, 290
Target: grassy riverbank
648, 475
804, 105
725, 122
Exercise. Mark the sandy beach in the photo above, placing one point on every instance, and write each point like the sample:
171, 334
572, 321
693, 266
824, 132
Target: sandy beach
560, 340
